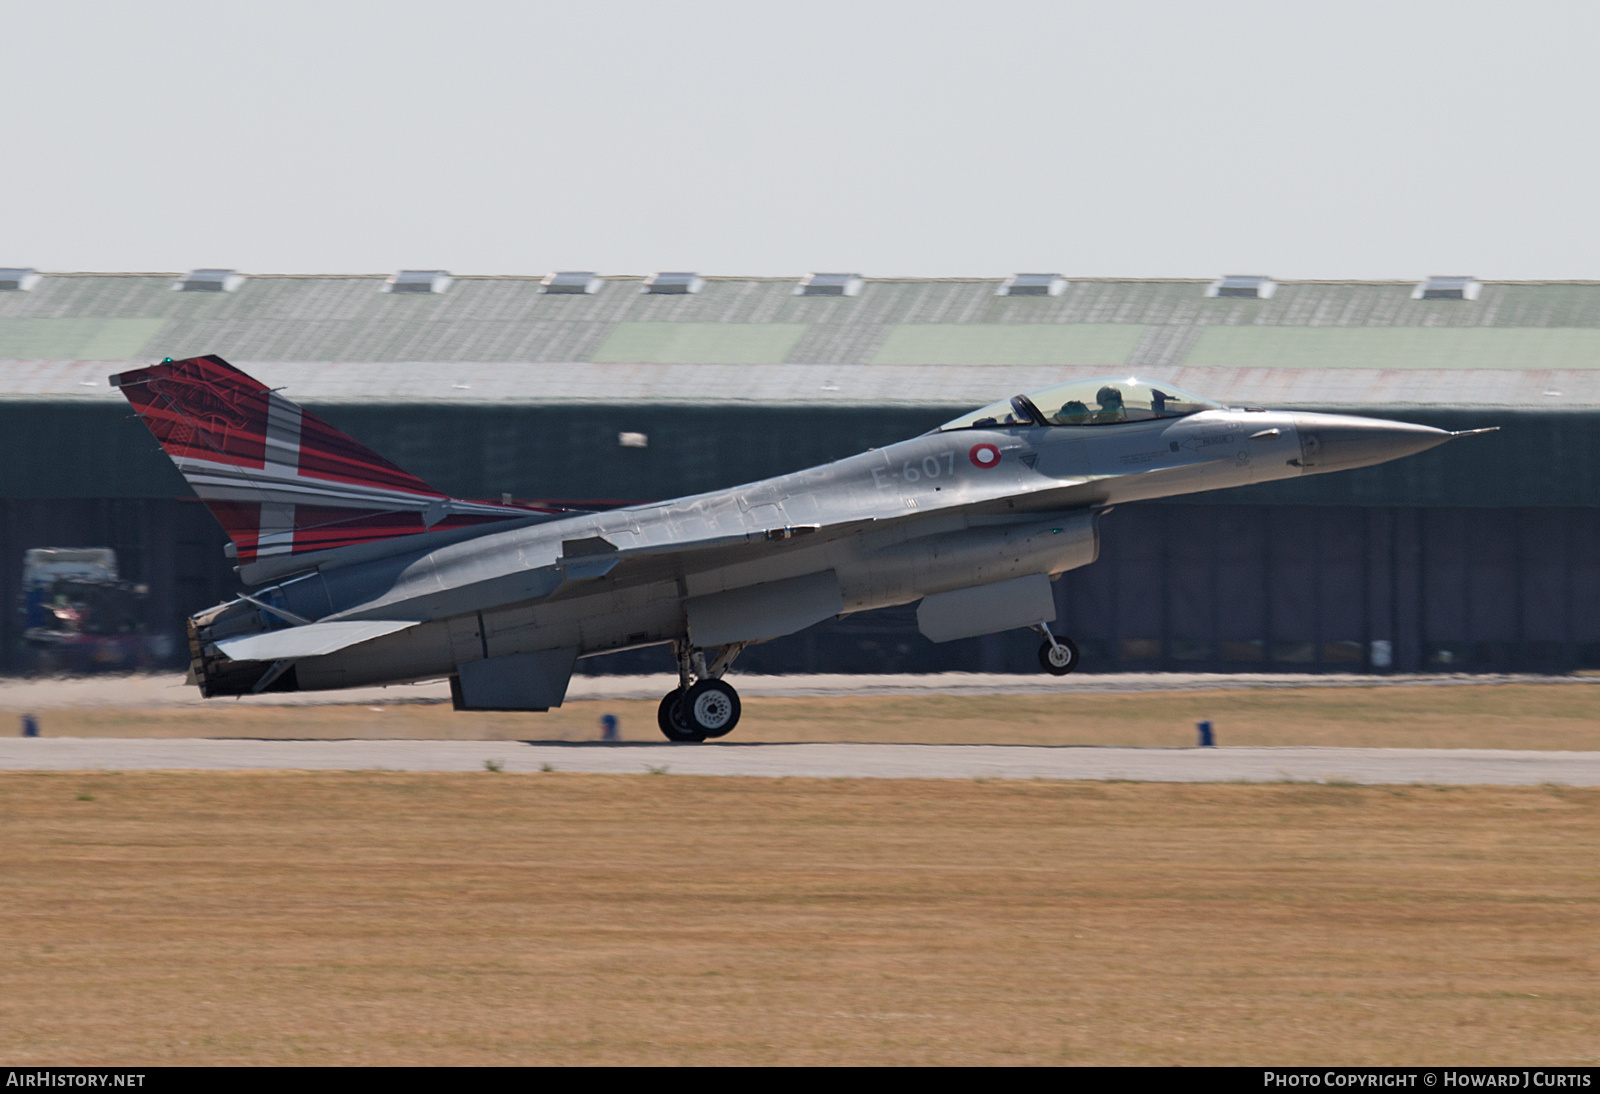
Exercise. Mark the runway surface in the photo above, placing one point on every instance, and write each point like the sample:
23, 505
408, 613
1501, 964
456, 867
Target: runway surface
1459, 767
166, 691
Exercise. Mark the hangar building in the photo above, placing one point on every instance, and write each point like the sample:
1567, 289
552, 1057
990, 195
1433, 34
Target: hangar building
1481, 555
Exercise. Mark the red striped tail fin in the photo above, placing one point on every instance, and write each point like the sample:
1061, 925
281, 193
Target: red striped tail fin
280, 480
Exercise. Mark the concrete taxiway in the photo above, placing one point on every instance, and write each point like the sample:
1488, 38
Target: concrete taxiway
1460, 767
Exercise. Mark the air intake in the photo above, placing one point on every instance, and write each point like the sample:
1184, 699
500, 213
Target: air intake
419, 281
573, 282
829, 284
17, 279
1033, 285
208, 281
1247, 286
1447, 288
672, 283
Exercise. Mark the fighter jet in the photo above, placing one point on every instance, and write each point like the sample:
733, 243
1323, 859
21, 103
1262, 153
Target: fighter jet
361, 574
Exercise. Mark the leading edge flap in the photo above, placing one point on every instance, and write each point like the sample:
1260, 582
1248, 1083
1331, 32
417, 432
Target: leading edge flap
278, 479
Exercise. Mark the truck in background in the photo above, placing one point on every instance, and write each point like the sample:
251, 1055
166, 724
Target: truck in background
78, 616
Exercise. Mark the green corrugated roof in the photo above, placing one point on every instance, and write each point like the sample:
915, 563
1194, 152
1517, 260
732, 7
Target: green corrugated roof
663, 343
1008, 344
77, 339
1145, 324
1390, 348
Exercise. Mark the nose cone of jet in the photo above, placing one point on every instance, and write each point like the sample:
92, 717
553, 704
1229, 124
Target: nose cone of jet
1338, 442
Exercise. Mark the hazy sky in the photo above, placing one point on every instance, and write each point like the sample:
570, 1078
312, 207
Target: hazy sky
1339, 140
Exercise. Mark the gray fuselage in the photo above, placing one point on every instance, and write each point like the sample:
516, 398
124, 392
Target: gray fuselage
925, 516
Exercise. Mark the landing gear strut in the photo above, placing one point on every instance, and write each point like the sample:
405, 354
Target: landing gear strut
703, 708
1057, 656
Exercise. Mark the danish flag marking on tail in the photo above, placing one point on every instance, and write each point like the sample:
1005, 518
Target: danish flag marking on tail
282, 461
278, 478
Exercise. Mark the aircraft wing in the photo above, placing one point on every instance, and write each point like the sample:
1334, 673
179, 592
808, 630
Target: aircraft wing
587, 558
597, 557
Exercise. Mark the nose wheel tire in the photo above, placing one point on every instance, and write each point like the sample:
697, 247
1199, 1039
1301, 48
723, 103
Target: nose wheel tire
712, 708
1060, 658
673, 722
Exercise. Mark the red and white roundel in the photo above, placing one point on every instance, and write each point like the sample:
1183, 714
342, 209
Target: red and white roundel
984, 455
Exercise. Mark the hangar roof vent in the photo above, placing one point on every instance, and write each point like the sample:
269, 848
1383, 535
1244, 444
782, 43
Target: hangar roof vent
17, 279
571, 281
1447, 288
209, 281
419, 281
829, 284
672, 283
1035, 284
1249, 286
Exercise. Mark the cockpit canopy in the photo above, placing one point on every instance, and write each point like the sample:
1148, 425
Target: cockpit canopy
1104, 401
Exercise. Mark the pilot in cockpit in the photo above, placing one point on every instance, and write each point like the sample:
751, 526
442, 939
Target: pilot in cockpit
1073, 412
1111, 409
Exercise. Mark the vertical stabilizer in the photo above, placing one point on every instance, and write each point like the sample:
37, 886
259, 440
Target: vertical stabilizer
280, 480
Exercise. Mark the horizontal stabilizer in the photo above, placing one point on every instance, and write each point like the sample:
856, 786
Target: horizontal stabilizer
311, 640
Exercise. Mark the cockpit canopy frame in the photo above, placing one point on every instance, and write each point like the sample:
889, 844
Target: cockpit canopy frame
1106, 400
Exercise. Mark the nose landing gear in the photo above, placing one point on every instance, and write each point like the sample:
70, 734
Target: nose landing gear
706, 708
1057, 656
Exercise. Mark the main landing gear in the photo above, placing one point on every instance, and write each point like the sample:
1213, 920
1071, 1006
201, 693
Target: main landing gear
1057, 656
703, 705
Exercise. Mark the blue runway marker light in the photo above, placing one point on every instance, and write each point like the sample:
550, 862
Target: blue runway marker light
1206, 740
30, 726
608, 728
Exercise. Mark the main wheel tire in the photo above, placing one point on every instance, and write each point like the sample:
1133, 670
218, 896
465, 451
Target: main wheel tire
674, 723
1060, 658
712, 708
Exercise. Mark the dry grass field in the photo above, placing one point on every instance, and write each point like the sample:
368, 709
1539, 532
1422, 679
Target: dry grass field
1558, 716
556, 918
